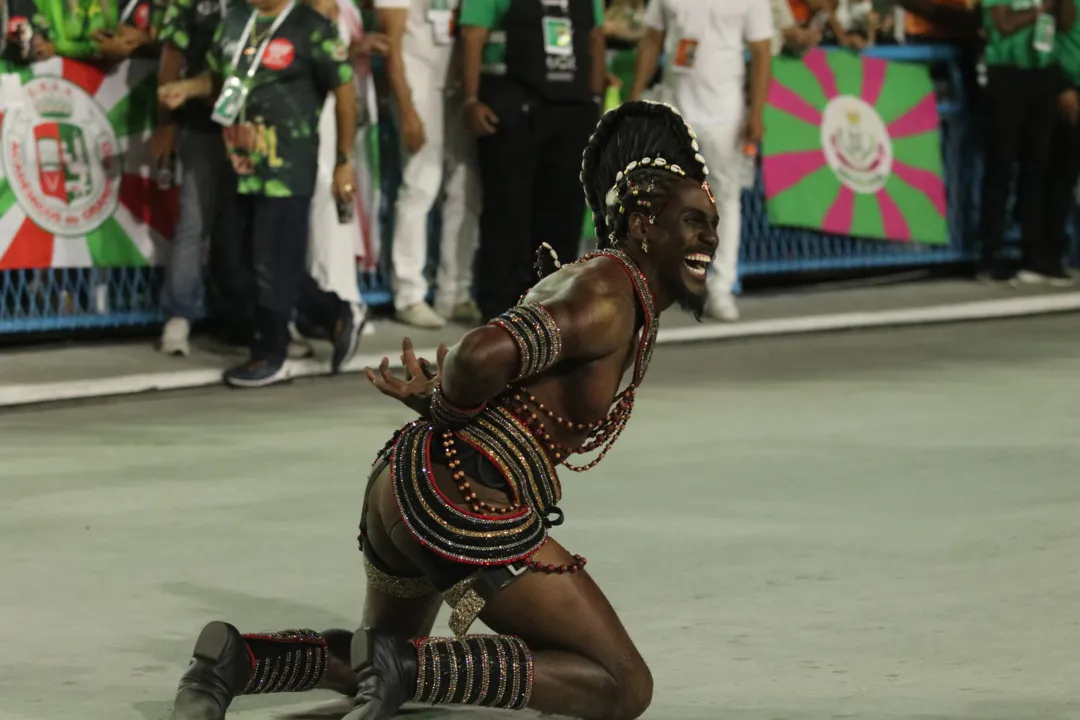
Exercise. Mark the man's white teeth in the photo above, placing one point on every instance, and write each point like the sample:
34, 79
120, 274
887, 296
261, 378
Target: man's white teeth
697, 263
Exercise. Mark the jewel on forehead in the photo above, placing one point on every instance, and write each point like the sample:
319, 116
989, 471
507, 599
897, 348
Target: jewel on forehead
708, 191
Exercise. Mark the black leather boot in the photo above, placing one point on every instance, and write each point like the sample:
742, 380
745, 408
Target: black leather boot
226, 664
386, 670
220, 670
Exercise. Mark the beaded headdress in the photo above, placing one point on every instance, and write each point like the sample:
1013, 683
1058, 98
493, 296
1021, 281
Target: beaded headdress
623, 164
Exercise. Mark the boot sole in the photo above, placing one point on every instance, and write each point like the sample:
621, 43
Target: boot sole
213, 640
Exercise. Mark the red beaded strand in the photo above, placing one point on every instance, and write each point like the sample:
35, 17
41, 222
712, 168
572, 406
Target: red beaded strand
571, 567
463, 486
601, 435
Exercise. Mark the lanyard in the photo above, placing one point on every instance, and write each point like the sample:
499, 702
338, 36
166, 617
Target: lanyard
128, 9
255, 61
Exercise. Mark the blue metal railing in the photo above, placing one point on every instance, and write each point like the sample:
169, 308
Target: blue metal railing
68, 299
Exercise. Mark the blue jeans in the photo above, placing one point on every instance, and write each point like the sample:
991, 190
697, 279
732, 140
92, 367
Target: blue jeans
207, 184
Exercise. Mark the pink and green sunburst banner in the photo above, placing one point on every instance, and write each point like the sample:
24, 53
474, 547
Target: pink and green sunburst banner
75, 182
852, 146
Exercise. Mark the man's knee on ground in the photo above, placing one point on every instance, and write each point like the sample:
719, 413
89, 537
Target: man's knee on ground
634, 693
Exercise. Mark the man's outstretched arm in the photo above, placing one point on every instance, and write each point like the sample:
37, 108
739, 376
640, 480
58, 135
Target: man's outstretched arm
593, 320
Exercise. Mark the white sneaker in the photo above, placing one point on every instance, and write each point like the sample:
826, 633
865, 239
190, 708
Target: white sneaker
465, 312
1030, 277
722, 308
174, 337
299, 349
421, 315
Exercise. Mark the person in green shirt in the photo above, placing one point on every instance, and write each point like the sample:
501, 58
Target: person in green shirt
1022, 84
270, 66
534, 73
1064, 169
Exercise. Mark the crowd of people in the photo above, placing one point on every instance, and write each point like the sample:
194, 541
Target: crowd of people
494, 102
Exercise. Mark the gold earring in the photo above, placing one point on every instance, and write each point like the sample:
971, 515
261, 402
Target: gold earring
644, 246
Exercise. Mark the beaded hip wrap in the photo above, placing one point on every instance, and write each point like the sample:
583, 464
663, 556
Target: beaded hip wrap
468, 537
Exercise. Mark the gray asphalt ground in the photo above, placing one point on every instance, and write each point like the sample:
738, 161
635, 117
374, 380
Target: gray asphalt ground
875, 525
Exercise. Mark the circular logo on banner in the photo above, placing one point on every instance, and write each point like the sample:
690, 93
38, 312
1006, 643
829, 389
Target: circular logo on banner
856, 144
279, 54
61, 157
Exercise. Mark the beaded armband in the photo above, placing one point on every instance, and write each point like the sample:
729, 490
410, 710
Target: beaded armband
445, 414
536, 335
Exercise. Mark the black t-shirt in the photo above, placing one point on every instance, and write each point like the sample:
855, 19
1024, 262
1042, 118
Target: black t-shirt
274, 144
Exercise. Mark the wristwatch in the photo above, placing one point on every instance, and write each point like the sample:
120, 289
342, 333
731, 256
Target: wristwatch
343, 158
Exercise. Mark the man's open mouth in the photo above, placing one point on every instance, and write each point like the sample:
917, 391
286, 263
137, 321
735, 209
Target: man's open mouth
698, 263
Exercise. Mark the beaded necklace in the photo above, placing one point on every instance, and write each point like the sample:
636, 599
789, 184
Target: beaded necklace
602, 435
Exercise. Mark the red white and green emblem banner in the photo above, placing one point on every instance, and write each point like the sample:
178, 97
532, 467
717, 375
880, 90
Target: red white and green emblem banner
852, 146
75, 181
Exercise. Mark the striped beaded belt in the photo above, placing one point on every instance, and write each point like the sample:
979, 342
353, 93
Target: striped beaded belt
468, 537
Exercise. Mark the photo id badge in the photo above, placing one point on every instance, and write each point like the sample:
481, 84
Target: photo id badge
685, 54
1044, 33
230, 102
558, 36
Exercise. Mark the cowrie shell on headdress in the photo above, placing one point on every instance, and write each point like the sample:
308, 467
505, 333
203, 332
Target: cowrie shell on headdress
699, 158
619, 176
694, 146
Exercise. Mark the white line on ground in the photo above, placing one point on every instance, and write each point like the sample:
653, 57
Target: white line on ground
28, 393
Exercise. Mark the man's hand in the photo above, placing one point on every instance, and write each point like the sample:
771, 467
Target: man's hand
412, 130
115, 47
1069, 105
344, 182
370, 44
41, 49
132, 34
809, 38
481, 119
853, 42
163, 144
173, 95
420, 379
753, 130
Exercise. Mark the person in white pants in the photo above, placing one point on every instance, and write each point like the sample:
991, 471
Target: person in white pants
332, 249
332, 252
439, 157
704, 44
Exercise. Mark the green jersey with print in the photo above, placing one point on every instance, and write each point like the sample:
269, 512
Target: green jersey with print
1067, 50
489, 14
1015, 50
190, 27
274, 144
69, 25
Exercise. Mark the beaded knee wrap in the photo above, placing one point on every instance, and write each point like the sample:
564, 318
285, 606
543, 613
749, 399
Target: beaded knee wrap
536, 335
493, 671
286, 661
395, 586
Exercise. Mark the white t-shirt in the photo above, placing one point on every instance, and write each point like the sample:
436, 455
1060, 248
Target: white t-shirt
429, 31
705, 46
